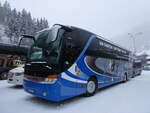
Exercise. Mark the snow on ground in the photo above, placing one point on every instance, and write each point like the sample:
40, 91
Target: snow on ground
130, 97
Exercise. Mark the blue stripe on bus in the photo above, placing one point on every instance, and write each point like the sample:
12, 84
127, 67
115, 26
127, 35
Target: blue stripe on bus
80, 57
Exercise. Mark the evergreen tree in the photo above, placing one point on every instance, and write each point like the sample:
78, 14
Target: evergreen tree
18, 23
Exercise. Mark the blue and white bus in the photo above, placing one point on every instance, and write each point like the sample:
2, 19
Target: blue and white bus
67, 61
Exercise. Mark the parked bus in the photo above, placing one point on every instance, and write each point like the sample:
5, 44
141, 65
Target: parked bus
137, 67
67, 61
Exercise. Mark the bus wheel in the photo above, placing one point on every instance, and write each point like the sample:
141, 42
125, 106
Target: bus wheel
3, 76
91, 87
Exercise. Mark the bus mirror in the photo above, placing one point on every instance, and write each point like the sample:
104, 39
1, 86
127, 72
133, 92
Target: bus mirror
27, 40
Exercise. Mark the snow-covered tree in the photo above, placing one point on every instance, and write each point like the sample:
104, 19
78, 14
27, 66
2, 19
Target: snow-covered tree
19, 22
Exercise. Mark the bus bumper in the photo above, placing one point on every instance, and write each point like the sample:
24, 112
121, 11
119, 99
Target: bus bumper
46, 91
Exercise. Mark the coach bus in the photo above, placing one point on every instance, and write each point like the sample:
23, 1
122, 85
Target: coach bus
67, 61
137, 67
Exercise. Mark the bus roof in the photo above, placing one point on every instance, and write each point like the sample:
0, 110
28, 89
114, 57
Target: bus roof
99, 37
103, 39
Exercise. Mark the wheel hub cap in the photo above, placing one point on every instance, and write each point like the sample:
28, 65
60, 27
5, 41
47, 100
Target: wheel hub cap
91, 86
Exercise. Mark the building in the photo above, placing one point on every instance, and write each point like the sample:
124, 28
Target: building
10, 57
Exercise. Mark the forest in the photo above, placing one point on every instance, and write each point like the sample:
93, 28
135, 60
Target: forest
15, 23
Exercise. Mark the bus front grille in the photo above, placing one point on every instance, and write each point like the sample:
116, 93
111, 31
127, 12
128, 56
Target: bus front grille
37, 70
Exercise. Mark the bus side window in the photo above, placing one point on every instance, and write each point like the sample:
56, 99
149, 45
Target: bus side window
73, 44
93, 49
69, 56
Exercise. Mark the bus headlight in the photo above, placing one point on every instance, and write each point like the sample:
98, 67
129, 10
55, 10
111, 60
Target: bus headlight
51, 79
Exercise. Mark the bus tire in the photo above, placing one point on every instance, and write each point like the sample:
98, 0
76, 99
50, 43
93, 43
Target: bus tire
91, 86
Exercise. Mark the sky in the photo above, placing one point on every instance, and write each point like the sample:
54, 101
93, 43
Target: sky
108, 18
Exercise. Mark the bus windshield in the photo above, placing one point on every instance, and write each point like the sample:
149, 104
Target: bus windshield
47, 45
56, 48
37, 54
47, 36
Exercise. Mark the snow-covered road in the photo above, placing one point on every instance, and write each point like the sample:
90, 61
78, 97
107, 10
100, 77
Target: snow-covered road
130, 97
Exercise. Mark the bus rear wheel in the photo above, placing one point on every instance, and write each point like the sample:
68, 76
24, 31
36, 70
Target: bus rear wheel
91, 87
